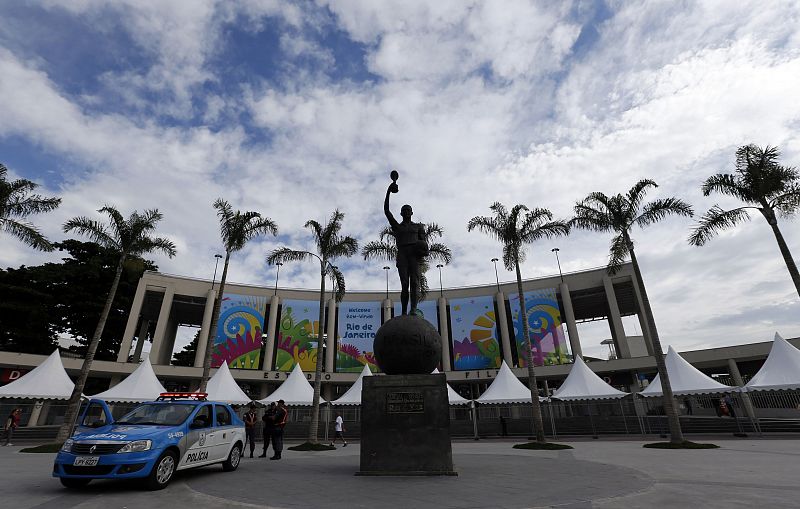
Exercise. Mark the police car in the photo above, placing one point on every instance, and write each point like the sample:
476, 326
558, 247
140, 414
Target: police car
175, 432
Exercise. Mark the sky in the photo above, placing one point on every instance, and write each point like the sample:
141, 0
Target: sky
294, 109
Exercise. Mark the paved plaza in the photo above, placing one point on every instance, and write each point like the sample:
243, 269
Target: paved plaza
602, 474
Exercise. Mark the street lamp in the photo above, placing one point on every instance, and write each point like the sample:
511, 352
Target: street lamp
216, 264
386, 268
496, 277
441, 292
277, 274
555, 250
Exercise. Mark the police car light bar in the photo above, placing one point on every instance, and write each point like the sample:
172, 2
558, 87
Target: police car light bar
200, 396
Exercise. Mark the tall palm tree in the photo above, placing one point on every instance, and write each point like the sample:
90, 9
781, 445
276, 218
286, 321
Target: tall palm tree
385, 248
514, 229
16, 204
330, 245
126, 237
764, 185
619, 214
236, 229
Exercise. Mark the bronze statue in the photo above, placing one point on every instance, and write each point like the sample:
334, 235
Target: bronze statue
411, 248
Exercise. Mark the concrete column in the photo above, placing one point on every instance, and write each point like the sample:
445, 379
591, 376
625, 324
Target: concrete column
143, 329
386, 310
641, 315
168, 345
36, 411
502, 326
133, 320
161, 325
330, 341
115, 379
569, 318
444, 329
272, 333
615, 320
737, 378
202, 341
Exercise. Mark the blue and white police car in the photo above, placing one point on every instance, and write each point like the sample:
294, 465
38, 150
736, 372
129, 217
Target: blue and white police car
175, 432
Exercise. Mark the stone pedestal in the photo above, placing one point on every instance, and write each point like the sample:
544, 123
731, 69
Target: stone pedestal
405, 426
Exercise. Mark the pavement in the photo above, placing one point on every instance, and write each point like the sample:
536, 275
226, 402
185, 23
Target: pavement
596, 474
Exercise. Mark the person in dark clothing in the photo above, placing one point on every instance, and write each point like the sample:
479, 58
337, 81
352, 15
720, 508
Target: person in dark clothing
688, 404
503, 427
12, 423
281, 418
729, 403
269, 425
250, 420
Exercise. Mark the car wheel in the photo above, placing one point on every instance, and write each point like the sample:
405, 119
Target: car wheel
235, 456
162, 471
74, 484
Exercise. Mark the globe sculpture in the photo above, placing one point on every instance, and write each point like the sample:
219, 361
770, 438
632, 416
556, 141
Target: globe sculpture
407, 345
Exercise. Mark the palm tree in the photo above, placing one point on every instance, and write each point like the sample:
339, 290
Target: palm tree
764, 185
385, 248
619, 214
16, 204
129, 237
236, 229
330, 245
514, 229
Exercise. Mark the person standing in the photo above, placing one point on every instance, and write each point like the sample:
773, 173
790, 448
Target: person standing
250, 420
269, 426
729, 403
339, 427
281, 418
12, 422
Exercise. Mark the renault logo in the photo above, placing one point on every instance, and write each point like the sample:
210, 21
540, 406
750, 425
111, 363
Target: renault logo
92, 449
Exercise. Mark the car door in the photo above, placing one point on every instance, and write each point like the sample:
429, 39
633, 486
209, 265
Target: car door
223, 433
95, 415
200, 438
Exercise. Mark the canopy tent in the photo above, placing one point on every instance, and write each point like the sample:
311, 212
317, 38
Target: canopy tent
353, 394
506, 388
141, 385
685, 379
222, 387
453, 397
583, 383
781, 370
48, 380
294, 391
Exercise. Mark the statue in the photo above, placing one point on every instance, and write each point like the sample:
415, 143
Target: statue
411, 248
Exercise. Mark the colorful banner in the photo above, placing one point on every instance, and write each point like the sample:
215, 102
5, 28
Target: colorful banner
475, 336
427, 309
548, 345
298, 330
238, 339
358, 322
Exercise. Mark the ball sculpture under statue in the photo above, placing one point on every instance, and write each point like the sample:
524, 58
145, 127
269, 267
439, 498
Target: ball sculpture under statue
407, 345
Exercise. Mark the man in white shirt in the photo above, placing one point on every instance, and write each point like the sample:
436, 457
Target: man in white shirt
339, 430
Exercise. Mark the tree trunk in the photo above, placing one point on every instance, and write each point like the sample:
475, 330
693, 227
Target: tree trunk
74, 404
314, 428
676, 435
787, 255
213, 326
536, 414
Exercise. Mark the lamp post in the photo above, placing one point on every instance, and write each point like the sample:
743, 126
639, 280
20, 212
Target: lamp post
441, 291
386, 268
277, 274
496, 277
556, 250
216, 264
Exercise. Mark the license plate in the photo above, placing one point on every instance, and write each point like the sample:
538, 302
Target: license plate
86, 461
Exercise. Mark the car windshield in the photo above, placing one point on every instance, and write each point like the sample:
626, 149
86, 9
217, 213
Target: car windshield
161, 414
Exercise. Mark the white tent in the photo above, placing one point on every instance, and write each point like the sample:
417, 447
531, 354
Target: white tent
222, 387
506, 388
48, 380
583, 383
141, 385
684, 378
453, 397
353, 394
780, 371
294, 391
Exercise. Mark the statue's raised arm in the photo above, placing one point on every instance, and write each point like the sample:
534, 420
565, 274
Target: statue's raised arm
392, 189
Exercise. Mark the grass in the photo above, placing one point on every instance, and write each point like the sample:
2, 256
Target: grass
309, 446
682, 445
543, 446
44, 448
